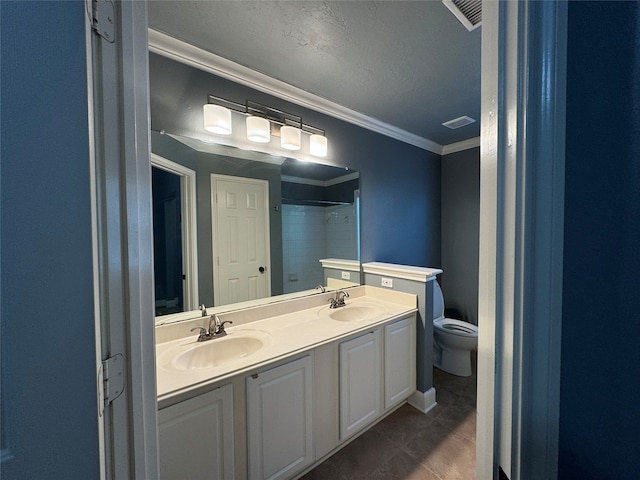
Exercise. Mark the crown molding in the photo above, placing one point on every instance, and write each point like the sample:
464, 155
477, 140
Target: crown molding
460, 146
228, 150
320, 183
183, 52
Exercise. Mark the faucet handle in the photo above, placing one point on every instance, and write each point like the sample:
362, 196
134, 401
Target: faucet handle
203, 309
202, 333
220, 327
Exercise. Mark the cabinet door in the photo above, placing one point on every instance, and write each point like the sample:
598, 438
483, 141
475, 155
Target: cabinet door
196, 437
360, 391
399, 361
279, 413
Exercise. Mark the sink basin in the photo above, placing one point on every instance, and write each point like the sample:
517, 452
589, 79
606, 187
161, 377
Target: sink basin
355, 313
219, 352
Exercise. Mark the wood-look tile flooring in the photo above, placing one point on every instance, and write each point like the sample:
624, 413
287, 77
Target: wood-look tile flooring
439, 445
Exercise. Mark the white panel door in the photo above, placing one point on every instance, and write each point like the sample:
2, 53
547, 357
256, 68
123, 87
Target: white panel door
279, 417
240, 239
360, 392
196, 437
399, 361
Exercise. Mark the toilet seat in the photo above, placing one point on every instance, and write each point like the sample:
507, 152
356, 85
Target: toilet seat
456, 327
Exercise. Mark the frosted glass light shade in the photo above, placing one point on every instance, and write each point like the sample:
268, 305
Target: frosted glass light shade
318, 145
217, 119
290, 138
258, 129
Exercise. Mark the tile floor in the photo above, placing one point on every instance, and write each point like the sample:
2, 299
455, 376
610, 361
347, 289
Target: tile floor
440, 445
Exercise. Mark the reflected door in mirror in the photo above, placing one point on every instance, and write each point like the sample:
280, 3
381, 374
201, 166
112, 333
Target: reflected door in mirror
241, 239
167, 242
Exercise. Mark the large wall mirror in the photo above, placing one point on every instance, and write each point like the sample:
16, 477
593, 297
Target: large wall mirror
233, 226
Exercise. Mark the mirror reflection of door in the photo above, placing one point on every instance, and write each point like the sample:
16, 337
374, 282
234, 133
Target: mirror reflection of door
174, 237
240, 223
167, 242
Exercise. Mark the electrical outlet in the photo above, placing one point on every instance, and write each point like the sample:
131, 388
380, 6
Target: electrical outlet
387, 282
346, 275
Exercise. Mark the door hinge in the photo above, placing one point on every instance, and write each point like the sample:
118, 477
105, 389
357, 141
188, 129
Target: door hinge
103, 19
110, 381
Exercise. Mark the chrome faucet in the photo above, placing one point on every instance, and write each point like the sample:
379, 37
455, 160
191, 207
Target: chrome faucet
218, 326
339, 300
321, 287
216, 329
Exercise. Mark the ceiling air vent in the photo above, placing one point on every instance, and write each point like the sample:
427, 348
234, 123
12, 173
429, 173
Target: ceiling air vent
458, 122
469, 12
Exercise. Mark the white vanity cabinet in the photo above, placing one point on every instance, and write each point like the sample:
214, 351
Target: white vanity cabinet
321, 377
279, 420
360, 380
196, 437
375, 367
399, 361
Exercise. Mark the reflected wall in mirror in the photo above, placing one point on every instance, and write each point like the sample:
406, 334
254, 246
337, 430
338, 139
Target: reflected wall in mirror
312, 213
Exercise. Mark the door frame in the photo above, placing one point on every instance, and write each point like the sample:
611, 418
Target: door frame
119, 128
214, 230
509, 29
189, 226
521, 237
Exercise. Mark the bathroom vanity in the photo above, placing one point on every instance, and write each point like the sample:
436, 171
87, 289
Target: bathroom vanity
291, 383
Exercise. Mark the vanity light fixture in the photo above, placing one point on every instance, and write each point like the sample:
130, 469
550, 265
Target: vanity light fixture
318, 145
262, 122
290, 137
217, 119
258, 129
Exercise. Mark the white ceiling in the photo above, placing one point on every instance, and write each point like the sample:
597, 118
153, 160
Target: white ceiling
410, 64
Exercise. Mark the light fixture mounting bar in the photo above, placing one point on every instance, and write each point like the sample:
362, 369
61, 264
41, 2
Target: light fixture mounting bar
274, 115
223, 102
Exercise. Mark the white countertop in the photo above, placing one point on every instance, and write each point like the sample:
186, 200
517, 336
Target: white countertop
286, 328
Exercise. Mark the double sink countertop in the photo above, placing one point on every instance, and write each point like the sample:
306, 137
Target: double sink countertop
264, 334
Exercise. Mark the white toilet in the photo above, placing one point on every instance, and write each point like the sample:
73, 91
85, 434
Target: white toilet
453, 340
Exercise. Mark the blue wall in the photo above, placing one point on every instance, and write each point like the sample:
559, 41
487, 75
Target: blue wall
600, 390
461, 233
399, 183
49, 415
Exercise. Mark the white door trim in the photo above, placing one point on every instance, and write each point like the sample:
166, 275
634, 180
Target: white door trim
214, 230
521, 238
189, 227
95, 246
123, 237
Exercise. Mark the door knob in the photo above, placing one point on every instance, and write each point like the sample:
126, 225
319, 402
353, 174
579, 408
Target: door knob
261, 269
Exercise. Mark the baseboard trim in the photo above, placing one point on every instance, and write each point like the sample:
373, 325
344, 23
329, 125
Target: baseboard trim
423, 401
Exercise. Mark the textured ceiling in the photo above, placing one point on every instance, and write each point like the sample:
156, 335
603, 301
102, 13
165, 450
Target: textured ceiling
409, 64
